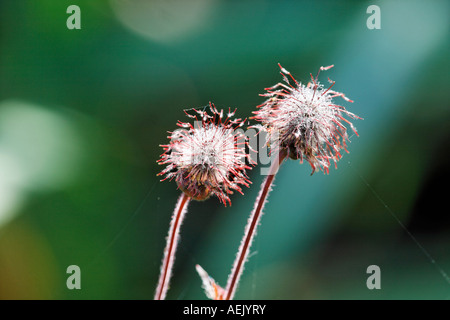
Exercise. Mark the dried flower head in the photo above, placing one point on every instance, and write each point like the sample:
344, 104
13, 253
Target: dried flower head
308, 123
209, 157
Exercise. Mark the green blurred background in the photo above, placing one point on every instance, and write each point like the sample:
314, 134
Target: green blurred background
83, 112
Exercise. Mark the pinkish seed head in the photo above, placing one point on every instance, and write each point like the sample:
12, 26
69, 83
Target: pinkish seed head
209, 157
308, 123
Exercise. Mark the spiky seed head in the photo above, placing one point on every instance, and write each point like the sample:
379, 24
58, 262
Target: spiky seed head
307, 122
208, 157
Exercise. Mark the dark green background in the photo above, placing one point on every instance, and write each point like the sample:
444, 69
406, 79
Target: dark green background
82, 114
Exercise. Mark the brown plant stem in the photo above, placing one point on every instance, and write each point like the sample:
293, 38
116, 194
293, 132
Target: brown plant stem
250, 229
171, 246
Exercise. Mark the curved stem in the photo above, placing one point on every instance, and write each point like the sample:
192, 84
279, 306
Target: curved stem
250, 229
171, 246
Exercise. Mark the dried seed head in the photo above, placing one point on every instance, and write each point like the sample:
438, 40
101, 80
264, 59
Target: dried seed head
308, 123
209, 157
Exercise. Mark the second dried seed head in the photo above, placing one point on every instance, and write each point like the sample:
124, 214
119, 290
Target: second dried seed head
306, 121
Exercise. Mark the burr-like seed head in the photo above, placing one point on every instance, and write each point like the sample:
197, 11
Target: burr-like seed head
308, 123
208, 157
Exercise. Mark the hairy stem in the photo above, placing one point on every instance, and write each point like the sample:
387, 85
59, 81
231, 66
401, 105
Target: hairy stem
171, 246
250, 229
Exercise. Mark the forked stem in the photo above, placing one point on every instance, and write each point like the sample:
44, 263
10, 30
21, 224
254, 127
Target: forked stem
250, 229
171, 246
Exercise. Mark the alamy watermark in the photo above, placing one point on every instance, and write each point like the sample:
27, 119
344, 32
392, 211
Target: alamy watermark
74, 20
374, 20
74, 280
374, 280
